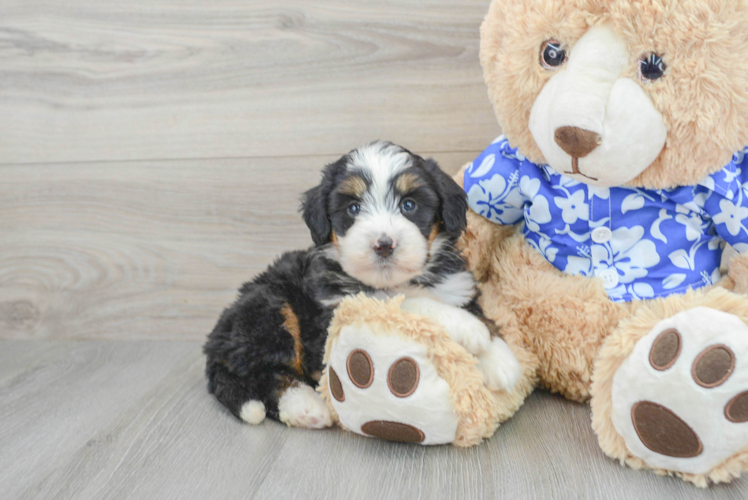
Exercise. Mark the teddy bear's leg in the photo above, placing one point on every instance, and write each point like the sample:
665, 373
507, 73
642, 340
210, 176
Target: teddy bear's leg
398, 376
561, 319
385, 385
670, 387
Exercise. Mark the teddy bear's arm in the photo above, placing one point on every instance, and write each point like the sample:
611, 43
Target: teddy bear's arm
738, 272
480, 239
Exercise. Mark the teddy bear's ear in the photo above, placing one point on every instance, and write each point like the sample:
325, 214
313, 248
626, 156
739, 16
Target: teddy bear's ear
453, 200
314, 204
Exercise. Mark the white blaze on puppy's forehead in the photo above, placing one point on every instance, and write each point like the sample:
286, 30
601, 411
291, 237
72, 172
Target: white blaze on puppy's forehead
381, 161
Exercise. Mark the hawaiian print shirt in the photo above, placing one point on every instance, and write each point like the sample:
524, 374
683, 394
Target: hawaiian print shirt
643, 243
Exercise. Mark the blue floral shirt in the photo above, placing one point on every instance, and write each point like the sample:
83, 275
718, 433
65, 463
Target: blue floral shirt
643, 243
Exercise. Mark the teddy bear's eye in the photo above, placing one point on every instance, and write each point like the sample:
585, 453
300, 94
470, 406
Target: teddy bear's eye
651, 67
552, 54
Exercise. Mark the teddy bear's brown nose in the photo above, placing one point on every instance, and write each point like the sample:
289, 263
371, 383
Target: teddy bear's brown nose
576, 141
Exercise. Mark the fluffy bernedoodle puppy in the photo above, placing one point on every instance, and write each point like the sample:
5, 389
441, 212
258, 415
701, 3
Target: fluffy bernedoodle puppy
384, 222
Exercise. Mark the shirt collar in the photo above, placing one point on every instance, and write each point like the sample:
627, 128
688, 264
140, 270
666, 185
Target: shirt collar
725, 181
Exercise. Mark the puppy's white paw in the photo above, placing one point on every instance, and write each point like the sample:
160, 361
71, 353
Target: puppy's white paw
461, 326
301, 406
501, 370
253, 412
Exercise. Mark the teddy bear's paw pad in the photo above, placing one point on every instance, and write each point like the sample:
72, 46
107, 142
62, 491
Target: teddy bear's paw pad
713, 366
385, 386
737, 409
664, 432
680, 399
360, 369
393, 431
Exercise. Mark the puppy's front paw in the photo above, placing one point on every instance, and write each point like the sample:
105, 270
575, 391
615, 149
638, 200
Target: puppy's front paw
468, 331
461, 326
501, 370
301, 406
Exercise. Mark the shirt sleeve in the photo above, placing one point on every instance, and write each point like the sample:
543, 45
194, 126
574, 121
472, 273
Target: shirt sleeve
492, 184
728, 202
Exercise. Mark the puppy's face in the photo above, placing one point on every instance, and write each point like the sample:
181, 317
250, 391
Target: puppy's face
384, 211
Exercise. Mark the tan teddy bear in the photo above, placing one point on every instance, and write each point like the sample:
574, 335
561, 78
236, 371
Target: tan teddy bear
599, 220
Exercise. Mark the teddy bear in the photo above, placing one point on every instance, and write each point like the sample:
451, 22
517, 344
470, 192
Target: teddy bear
599, 221
597, 228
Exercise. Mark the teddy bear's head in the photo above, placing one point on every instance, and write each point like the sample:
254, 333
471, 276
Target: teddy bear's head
646, 93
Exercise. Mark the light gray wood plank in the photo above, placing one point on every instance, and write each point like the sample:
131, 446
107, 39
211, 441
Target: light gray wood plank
85, 80
144, 249
132, 420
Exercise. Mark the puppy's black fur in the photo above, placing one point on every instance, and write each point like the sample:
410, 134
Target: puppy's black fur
253, 353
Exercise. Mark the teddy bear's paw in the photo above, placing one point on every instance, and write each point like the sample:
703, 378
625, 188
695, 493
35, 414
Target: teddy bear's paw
385, 386
301, 406
461, 326
680, 399
501, 370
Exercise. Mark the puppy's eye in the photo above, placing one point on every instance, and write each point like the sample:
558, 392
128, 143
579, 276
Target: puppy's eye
651, 67
552, 54
408, 206
354, 209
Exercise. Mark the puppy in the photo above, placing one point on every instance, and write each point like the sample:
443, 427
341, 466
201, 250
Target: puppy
384, 222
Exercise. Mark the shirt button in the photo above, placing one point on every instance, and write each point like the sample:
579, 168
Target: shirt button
601, 235
609, 277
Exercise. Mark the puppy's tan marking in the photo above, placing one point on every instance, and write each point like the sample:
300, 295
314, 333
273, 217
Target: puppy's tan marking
406, 183
291, 324
434, 233
432, 236
354, 186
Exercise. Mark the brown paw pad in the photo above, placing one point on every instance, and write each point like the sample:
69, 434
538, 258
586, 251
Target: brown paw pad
736, 409
393, 431
665, 349
336, 388
360, 368
403, 377
713, 366
663, 432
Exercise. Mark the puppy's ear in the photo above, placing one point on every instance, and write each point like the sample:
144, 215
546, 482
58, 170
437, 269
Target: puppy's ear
314, 204
453, 200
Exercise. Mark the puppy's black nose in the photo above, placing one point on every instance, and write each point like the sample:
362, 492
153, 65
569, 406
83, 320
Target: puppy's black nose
384, 246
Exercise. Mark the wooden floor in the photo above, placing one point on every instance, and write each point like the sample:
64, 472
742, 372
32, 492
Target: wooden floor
152, 155
132, 419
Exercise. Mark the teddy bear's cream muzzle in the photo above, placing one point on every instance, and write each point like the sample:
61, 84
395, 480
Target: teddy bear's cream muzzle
591, 123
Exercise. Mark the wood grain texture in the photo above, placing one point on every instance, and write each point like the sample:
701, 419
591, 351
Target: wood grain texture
85, 80
144, 249
132, 420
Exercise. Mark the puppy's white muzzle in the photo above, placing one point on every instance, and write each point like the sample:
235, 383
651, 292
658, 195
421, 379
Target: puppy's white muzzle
361, 257
589, 94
